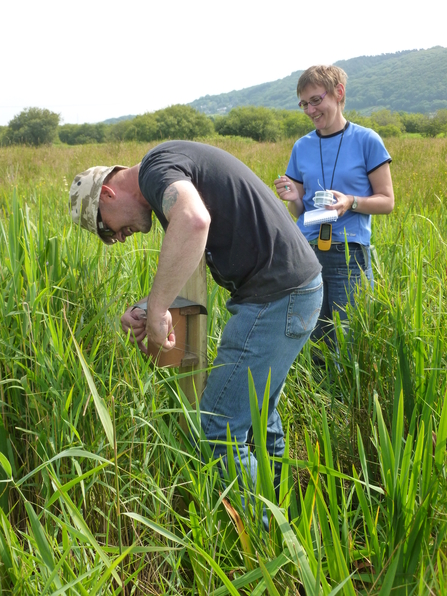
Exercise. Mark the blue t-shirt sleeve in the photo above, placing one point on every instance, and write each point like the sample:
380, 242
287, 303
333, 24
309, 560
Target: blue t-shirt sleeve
292, 170
374, 151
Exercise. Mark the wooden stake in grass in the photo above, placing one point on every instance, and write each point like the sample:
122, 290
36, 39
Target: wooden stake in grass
194, 383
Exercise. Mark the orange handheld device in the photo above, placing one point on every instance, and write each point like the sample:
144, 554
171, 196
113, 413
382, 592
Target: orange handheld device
325, 236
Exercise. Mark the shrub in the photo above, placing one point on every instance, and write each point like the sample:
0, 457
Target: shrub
294, 124
389, 122
175, 122
436, 124
389, 130
413, 123
146, 127
258, 123
3, 130
81, 134
33, 126
125, 130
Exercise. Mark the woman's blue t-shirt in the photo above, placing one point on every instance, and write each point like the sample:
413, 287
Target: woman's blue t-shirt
360, 151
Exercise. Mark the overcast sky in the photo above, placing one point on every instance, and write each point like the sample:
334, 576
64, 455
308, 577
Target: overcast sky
98, 59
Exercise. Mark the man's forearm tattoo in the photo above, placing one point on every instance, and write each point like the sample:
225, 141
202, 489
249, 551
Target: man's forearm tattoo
170, 197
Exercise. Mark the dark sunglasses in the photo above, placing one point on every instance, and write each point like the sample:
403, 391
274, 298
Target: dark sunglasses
103, 231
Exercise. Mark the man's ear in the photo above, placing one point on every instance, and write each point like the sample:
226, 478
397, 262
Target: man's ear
107, 193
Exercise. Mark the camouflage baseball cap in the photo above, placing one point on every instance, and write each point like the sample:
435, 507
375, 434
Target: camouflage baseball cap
84, 196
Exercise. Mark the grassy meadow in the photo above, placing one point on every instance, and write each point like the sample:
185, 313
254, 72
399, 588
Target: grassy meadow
101, 493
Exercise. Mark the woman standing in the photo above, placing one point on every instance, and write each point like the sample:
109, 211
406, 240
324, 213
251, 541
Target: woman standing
349, 160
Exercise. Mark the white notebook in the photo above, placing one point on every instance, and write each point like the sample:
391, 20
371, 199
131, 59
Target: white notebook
318, 216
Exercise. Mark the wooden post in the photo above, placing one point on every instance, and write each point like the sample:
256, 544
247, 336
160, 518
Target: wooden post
191, 352
195, 290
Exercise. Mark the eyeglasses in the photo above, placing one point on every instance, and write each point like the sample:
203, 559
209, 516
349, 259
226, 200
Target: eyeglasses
315, 101
103, 231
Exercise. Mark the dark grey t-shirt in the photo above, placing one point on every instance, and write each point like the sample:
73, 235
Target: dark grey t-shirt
254, 249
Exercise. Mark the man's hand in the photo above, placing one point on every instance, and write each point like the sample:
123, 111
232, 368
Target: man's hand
159, 330
133, 322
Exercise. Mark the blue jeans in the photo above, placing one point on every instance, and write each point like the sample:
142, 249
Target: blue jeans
261, 337
340, 281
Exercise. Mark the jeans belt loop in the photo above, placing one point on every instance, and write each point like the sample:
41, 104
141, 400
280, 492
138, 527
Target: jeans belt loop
366, 256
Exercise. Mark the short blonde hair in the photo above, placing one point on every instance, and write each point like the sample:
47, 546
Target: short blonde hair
326, 76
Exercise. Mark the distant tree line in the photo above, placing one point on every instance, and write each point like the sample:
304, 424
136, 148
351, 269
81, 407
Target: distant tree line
36, 126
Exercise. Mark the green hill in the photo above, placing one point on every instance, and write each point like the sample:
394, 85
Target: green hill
410, 81
120, 119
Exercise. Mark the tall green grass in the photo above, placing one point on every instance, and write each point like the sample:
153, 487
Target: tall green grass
102, 493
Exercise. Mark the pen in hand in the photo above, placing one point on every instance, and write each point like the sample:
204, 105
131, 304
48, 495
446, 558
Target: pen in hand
286, 187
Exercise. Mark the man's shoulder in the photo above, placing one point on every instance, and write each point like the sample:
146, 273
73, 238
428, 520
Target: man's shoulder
182, 147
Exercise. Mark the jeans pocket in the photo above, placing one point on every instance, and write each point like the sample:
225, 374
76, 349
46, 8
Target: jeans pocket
304, 309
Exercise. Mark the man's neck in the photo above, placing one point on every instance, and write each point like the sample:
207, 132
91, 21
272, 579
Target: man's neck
127, 181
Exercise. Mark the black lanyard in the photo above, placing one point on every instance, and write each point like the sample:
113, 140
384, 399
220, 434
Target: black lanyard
336, 159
